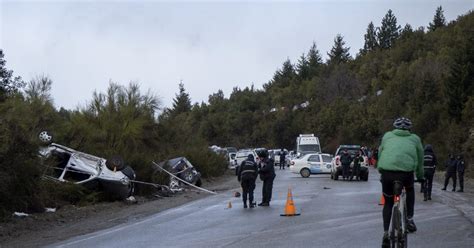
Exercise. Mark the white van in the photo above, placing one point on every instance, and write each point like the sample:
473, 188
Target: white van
306, 144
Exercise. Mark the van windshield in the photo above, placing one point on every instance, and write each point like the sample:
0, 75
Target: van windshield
309, 148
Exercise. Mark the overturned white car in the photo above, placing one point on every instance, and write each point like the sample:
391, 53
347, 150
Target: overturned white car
69, 165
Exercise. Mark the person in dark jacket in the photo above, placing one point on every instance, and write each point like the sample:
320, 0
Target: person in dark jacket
451, 167
356, 168
375, 157
282, 159
429, 166
247, 176
461, 167
346, 163
267, 175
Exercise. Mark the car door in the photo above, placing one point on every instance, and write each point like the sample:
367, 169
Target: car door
314, 163
327, 163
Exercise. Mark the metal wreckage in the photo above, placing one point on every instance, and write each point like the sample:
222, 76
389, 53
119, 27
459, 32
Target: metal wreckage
111, 175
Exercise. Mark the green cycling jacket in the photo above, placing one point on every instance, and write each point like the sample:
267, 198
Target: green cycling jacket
401, 150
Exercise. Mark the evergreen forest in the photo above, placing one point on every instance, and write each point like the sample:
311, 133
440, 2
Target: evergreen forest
423, 73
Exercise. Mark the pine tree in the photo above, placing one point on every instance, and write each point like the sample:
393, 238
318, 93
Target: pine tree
339, 53
370, 39
8, 83
302, 67
438, 20
389, 31
314, 60
283, 77
182, 102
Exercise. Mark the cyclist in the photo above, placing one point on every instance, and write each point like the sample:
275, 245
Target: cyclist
400, 154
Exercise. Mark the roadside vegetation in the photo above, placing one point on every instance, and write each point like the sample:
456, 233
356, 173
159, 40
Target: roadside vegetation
424, 74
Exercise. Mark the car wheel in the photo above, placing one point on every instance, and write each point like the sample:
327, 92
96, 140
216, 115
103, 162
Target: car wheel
198, 182
188, 176
305, 172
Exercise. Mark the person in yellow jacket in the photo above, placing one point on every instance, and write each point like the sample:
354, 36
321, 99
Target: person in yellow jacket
400, 155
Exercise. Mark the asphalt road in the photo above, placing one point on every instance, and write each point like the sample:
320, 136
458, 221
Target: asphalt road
333, 214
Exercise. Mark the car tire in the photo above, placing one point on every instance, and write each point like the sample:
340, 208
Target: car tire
115, 163
188, 176
199, 182
305, 172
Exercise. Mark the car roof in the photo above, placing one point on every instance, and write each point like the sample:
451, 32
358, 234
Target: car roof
309, 154
349, 147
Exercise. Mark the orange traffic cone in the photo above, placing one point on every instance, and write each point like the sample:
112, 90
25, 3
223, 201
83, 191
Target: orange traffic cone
382, 200
290, 206
229, 205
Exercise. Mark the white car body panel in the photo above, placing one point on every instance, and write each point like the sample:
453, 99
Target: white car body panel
316, 163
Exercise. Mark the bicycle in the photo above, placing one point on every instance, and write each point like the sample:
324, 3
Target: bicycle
398, 230
398, 221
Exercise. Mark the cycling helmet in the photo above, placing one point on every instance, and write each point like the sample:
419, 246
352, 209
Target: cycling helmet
45, 137
402, 123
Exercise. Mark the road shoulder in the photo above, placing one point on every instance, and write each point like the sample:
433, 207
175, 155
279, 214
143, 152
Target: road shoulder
71, 221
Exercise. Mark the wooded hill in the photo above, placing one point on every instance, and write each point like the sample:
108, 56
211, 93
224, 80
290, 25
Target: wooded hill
426, 75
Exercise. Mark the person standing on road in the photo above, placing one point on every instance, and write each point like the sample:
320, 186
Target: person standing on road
451, 167
282, 159
356, 169
429, 166
375, 156
247, 176
346, 163
461, 167
267, 175
400, 154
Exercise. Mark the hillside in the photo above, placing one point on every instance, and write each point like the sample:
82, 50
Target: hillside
426, 75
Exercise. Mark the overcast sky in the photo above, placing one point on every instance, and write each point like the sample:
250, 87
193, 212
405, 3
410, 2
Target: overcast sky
82, 45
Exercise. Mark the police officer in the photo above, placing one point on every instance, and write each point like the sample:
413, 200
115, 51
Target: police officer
461, 166
282, 159
247, 176
451, 166
267, 175
356, 168
346, 163
429, 166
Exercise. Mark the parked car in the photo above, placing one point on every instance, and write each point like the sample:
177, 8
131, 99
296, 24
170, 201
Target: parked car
275, 155
313, 163
231, 149
232, 161
242, 155
336, 170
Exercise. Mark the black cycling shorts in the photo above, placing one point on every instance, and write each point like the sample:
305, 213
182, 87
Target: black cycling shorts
388, 177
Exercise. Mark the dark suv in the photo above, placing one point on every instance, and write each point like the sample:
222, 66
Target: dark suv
336, 170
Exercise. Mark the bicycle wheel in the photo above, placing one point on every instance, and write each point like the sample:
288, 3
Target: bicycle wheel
396, 227
404, 232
